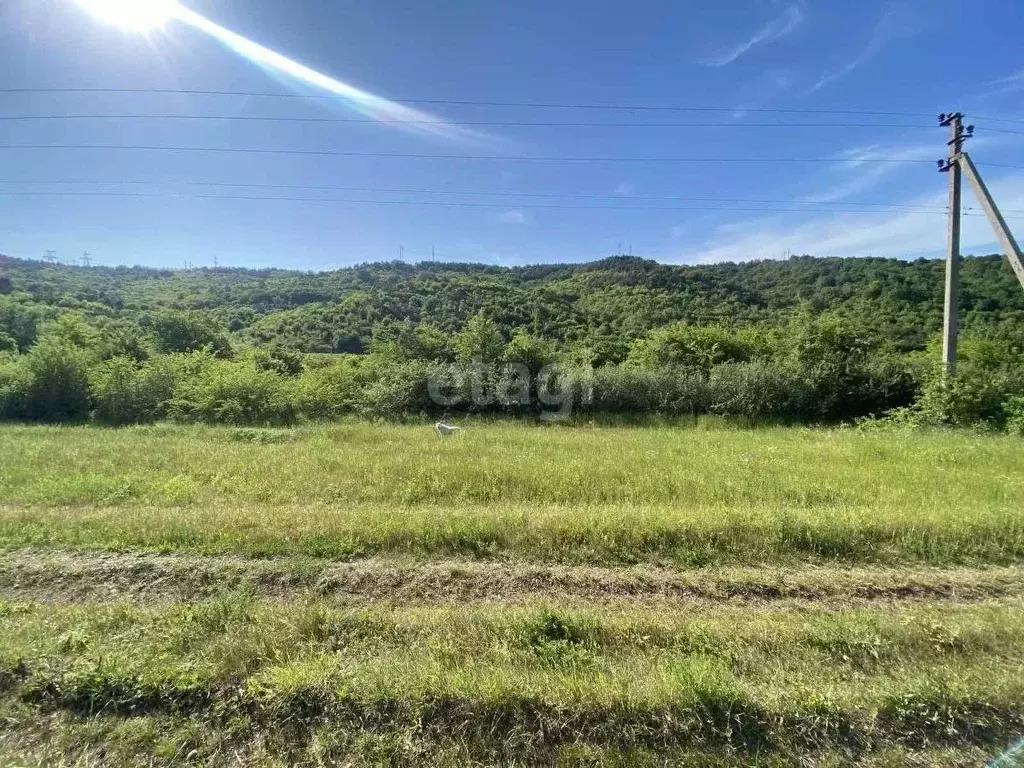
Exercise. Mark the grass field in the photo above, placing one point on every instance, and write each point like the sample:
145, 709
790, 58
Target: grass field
519, 595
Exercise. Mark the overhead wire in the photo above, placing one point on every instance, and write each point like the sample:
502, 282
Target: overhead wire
428, 156
489, 123
482, 193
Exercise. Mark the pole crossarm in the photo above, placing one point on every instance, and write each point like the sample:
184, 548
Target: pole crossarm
1013, 252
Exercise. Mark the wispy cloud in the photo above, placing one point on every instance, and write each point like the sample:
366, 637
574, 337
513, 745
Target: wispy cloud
905, 234
1003, 85
1017, 78
898, 21
792, 17
859, 173
625, 189
512, 217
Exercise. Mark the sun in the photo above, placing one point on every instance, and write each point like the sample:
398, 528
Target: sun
137, 15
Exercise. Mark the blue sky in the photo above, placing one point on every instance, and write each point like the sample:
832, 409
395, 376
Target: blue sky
911, 56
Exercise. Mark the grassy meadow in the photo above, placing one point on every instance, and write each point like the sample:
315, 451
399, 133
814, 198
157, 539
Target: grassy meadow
368, 594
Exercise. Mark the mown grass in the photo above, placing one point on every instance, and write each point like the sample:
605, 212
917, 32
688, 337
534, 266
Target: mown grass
527, 682
294, 678
574, 495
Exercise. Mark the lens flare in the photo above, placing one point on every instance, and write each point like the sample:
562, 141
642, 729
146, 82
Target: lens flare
147, 15
137, 15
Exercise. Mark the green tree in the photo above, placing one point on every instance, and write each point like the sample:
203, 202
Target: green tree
529, 350
689, 346
480, 341
187, 331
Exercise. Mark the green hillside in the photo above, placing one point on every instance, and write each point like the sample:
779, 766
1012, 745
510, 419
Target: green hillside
805, 340
610, 301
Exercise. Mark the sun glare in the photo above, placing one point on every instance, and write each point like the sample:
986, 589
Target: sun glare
137, 15
147, 15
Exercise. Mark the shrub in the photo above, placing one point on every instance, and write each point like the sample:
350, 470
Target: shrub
760, 390
1014, 408
14, 382
330, 391
279, 360
124, 392
396, 390
234, 393
57, 385
971, 397
626, 389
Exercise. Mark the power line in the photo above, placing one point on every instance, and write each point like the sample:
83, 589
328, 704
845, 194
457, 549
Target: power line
1002, 165
472, 103
491, 123
422, 156
512, 104
1015, 121
990, 129
889, 207
459, 204
446, 203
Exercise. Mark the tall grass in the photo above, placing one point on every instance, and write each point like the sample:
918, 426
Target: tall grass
582, 494
525, 680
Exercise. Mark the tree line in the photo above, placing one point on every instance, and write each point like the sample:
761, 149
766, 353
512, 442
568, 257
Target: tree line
805, 340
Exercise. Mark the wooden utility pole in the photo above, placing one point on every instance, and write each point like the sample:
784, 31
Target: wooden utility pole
952, 303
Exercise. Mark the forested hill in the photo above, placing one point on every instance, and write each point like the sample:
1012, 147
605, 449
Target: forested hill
605, 303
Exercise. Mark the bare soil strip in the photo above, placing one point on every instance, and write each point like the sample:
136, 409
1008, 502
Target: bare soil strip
87, 576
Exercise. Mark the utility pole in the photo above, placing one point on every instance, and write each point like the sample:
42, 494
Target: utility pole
216, 261
952, 299
86, 260
957, 163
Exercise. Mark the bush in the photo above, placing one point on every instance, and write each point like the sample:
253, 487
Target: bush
124, 392
1014, 408
396, 390
14, 382
279, 360
330, 391
234, 393
970, 398
625, 389
882, 384
761, 390
57, 384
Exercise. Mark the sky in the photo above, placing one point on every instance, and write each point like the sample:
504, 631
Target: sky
450, 145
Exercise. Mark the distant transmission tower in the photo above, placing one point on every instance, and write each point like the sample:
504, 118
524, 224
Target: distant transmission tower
50, 257
86, 260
